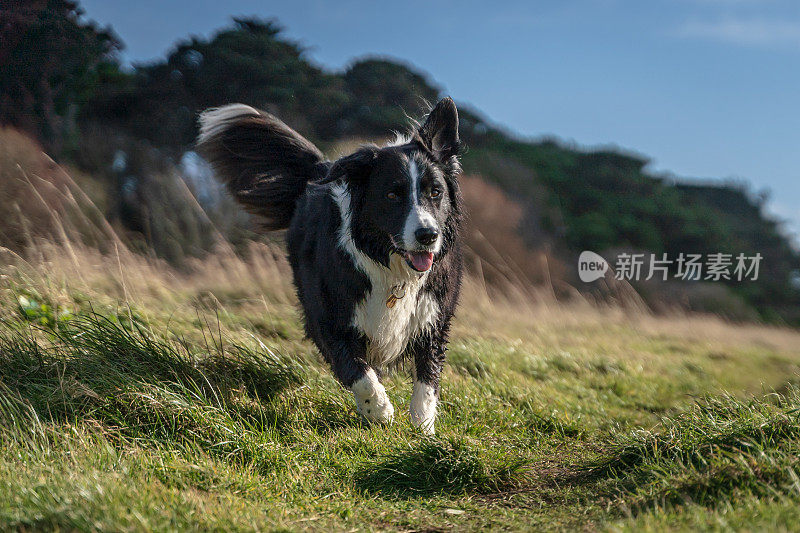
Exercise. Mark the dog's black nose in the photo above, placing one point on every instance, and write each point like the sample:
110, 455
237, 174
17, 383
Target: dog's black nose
426, 236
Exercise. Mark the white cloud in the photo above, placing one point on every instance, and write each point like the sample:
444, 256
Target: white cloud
746, 32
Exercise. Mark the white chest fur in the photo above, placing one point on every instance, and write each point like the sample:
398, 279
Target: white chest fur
388, 329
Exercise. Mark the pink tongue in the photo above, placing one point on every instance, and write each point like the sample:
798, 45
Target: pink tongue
422, 261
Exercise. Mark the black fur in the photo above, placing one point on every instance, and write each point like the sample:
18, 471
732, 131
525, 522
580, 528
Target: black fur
278, 174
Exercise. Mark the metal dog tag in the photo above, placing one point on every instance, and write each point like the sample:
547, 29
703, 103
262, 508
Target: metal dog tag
392, 300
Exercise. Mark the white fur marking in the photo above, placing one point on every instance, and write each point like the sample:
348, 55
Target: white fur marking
215, 121
371, 398
399, 139
423, 407
417, 216
388, 329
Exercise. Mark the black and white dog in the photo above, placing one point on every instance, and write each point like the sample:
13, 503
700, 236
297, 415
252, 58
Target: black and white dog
373, 242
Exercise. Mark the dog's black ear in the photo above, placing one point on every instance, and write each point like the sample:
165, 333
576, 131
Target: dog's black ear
354, 167
439, 134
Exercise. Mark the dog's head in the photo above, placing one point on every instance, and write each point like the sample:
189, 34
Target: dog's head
405, 197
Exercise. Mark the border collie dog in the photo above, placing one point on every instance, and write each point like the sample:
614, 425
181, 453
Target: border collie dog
372, 237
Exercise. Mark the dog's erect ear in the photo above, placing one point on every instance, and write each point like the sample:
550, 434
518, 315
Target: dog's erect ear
439, 134
355, 167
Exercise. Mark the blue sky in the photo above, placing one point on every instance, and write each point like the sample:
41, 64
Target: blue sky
705, 88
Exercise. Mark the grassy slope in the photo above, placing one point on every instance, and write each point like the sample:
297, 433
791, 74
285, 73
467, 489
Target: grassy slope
166, 402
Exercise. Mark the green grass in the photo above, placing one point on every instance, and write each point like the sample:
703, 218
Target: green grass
168, 404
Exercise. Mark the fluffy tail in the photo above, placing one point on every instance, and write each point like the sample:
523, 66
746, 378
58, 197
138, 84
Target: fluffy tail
265, 164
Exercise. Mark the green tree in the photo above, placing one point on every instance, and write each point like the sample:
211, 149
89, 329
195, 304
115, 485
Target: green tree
250, 62
384, 93
50, 64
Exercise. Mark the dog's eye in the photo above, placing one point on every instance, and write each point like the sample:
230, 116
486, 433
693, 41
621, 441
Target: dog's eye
392, 196
436, 193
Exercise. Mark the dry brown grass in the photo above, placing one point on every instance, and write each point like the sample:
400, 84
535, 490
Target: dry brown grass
31, 185
496, 250
507, 284
533, 317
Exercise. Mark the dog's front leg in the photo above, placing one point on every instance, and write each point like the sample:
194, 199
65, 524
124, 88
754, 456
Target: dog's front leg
371, 398
429, 352
351, 369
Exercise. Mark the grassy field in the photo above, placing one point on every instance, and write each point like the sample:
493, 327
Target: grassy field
133, 397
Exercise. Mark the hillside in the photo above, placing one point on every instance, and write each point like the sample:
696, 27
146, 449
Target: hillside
571, 199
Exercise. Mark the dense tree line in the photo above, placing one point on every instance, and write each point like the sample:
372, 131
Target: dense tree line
51, 64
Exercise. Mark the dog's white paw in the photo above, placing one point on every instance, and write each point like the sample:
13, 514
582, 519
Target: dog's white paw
423, 407
371, 399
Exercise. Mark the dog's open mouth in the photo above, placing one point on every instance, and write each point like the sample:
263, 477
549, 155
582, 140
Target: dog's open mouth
419, 261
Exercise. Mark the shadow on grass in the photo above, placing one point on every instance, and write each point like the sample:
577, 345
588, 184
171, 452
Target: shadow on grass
106, 353
143, 387
439, 466
720, 448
